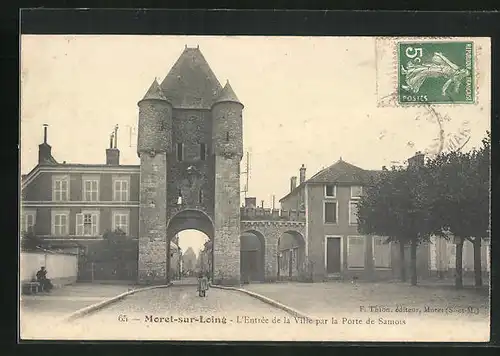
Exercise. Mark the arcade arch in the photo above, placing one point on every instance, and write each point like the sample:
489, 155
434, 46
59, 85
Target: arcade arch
291, 254
193, 232
252, 256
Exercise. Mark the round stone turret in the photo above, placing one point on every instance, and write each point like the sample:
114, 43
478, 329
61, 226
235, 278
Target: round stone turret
227, 133
155, 122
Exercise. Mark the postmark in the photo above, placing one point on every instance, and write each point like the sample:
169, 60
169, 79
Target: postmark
436, 72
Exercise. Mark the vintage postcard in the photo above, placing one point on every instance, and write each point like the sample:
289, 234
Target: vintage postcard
227, 188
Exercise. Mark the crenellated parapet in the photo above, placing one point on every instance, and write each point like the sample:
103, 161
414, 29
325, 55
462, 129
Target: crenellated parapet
256, 213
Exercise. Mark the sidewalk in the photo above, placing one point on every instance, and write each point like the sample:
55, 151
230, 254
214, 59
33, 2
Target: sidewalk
339, 297
65, 300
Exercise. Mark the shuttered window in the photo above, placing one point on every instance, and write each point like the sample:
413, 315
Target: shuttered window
353, 213
87, 224
356, 252
381, 252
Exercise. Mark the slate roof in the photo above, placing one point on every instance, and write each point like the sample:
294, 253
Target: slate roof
191, 82
341, 172
154, 92
227, 95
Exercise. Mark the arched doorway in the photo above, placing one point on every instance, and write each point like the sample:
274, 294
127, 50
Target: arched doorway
291, 255
252, 256
190, 234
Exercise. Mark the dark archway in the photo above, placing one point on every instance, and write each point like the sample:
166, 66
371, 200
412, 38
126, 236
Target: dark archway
252, 256
189, 219
291, 250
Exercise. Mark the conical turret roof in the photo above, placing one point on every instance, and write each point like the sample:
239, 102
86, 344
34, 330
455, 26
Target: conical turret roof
227, 94
154, 92
191, 82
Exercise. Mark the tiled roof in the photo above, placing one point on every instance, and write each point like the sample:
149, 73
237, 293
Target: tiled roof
154, 92
191, 83
340, 172
227, 94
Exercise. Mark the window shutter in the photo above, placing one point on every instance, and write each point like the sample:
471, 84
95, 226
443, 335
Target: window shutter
79, 224
94, 225
64, 223
356, 255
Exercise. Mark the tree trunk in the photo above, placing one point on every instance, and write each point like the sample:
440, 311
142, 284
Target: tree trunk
403, 262
413, 260
458, 263
478, 279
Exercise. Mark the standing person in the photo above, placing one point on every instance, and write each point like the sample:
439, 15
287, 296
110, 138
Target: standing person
202, 284
41, 277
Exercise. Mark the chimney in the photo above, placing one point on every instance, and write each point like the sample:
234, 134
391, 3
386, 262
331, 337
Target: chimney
44, 149
293, 183
302, 174
112, 153
416, 161
250, 202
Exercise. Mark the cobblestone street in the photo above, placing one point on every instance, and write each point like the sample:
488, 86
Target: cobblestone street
222, 315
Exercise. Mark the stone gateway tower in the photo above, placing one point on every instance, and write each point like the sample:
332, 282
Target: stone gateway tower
190, 144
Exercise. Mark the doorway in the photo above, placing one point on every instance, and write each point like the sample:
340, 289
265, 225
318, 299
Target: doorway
333, 255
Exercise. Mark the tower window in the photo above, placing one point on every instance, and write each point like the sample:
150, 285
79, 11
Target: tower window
200, 196
179, 198
180, 152
203, 151
227, 136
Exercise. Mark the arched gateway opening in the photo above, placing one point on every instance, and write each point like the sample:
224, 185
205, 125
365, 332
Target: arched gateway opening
252, 256
189, 232
291, 255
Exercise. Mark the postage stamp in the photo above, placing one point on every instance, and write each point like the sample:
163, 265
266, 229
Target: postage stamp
436, 72
420, 71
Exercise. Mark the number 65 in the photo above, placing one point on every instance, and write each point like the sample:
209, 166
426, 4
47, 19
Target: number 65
413, 52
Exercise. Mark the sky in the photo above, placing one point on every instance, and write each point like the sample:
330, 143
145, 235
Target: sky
308, 100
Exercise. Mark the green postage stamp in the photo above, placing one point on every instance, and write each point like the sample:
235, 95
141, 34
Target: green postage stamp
436, 72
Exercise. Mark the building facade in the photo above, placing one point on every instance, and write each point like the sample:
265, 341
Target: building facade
73, 206
334, 248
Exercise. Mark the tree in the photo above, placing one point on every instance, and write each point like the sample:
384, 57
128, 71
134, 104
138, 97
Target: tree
30, 241
460, 201
395, 205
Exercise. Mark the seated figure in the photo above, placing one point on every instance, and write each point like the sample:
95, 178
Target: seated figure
41, 277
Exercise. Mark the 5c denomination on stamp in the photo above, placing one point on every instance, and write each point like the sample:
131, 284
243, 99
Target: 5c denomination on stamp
436, 72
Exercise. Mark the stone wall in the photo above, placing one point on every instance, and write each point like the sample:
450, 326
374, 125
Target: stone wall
153, 220
227, 221
155, 126
191, 128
